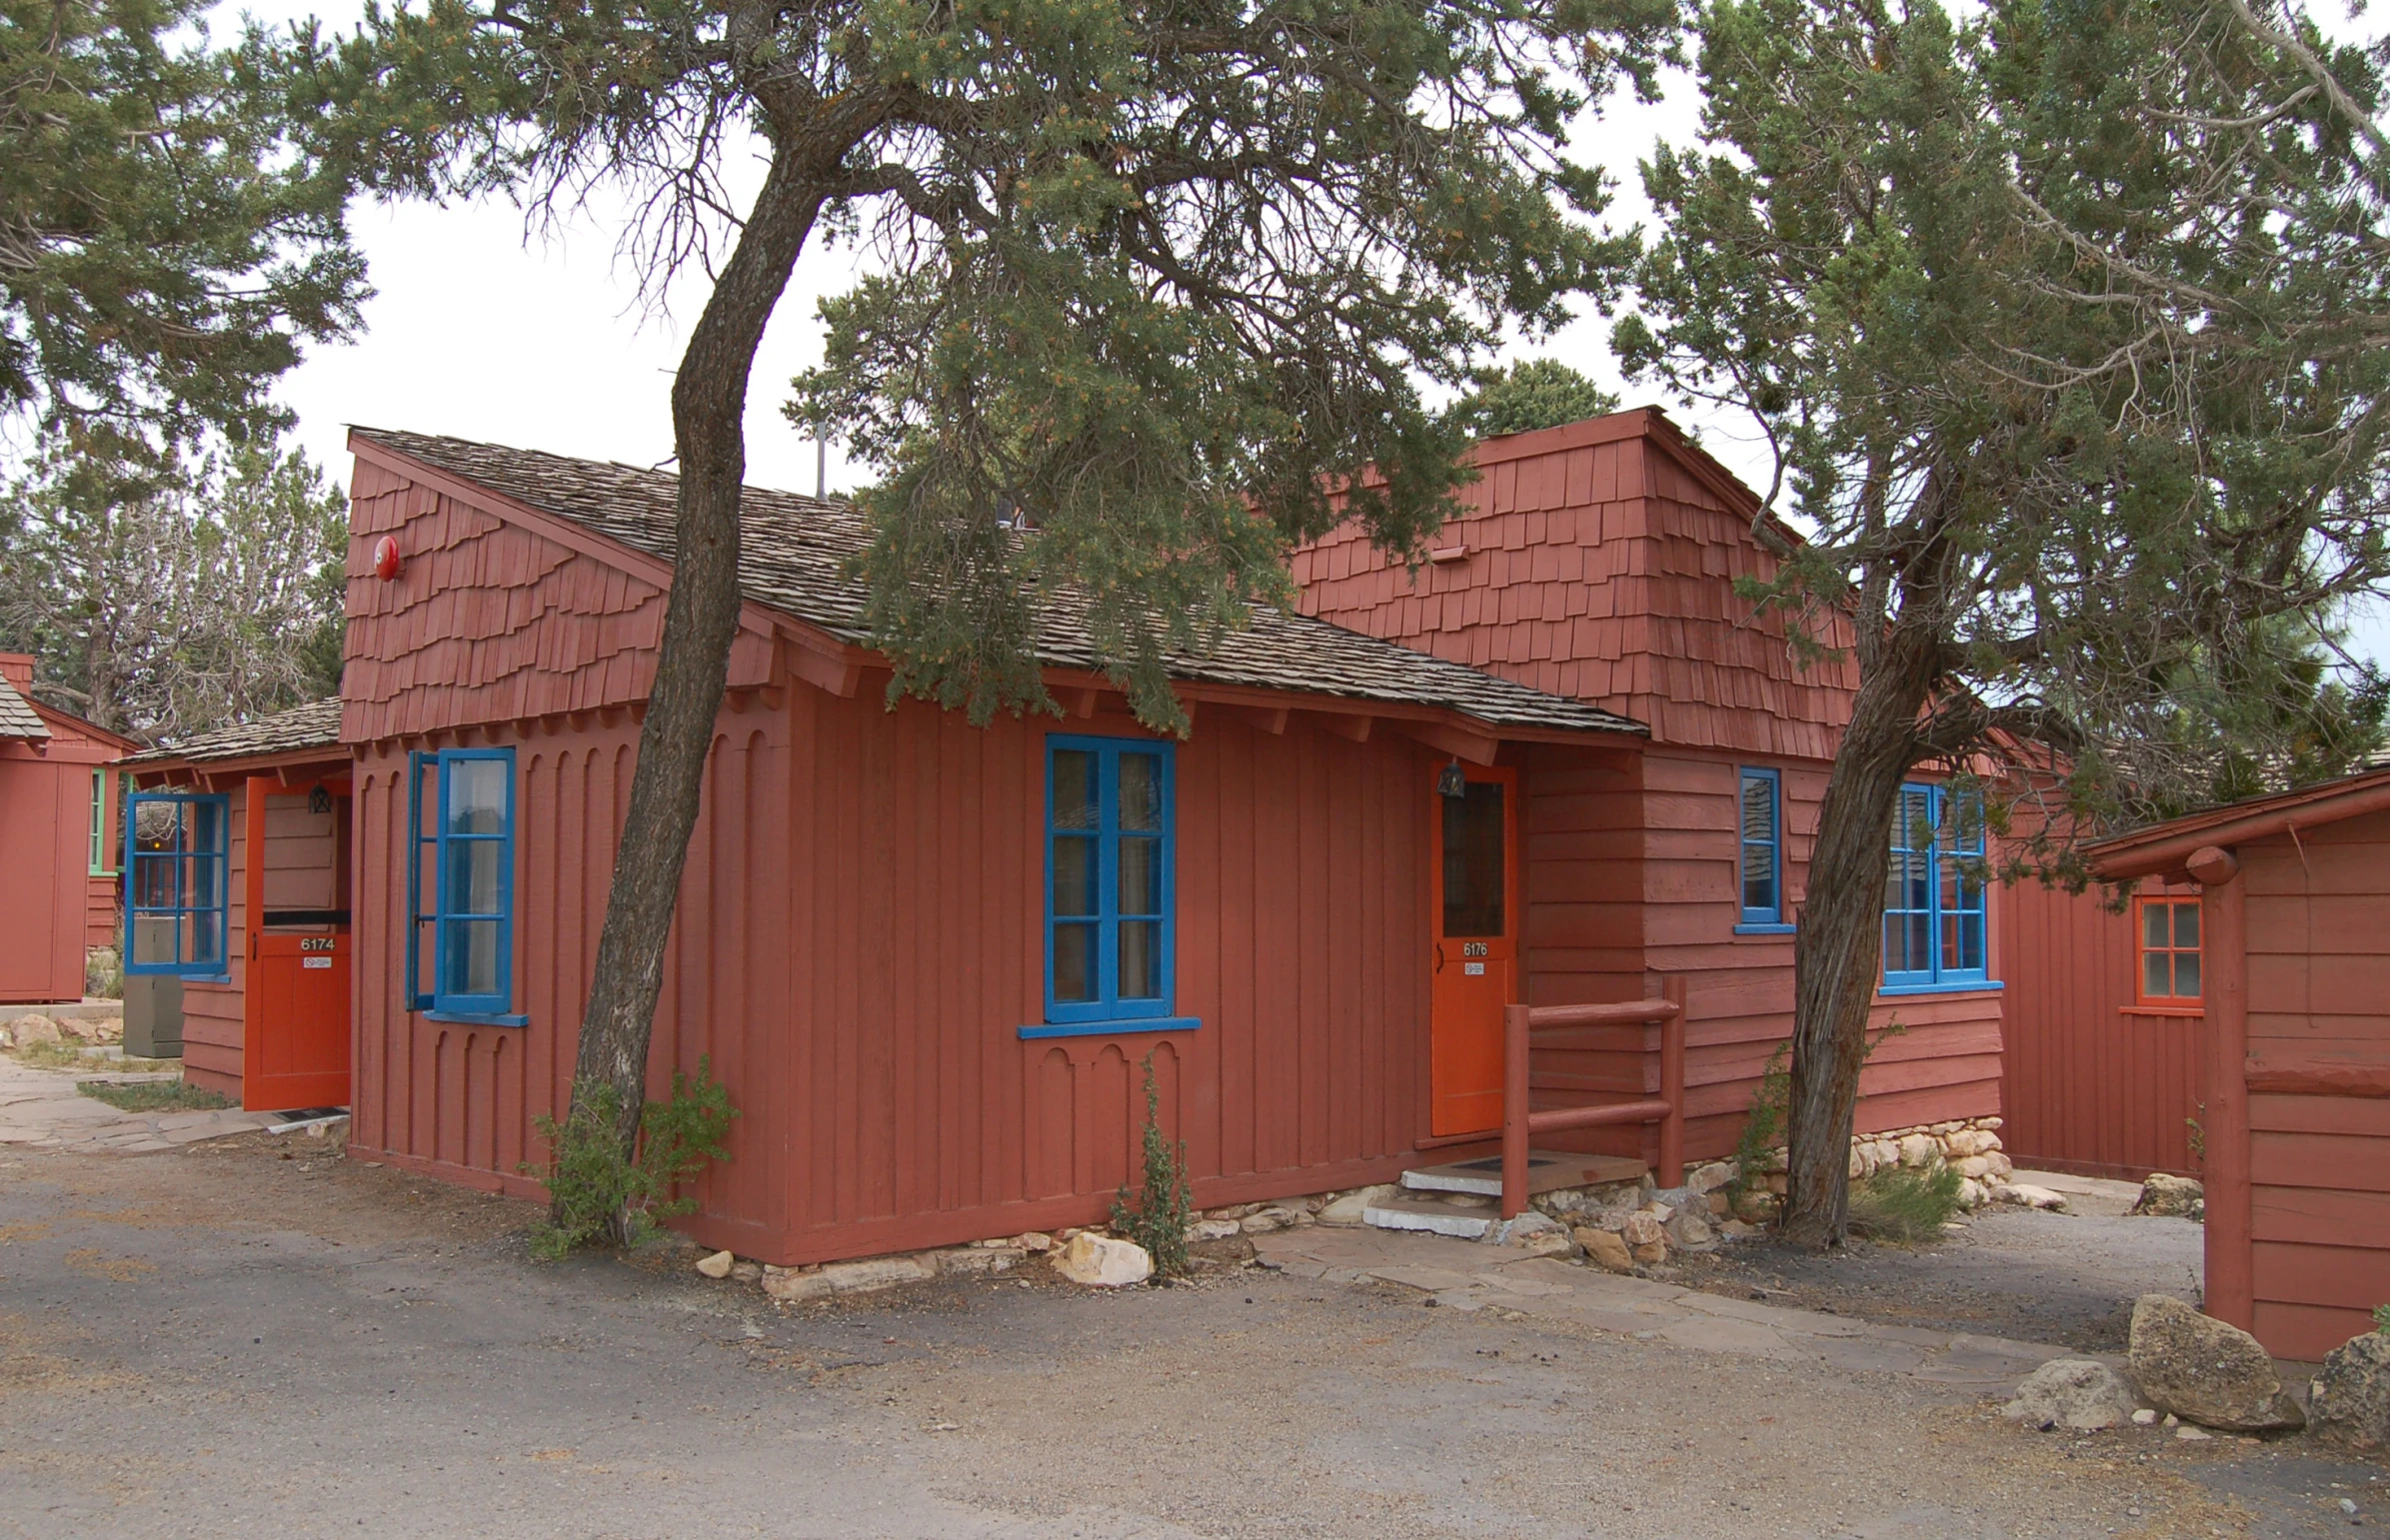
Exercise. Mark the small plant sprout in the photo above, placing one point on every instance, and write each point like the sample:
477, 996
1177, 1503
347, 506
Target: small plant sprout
1156, 1219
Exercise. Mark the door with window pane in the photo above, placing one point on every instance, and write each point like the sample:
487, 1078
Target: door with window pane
1474, 963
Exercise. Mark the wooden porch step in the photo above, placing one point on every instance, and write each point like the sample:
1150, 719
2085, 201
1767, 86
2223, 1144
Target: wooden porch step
1549, 1170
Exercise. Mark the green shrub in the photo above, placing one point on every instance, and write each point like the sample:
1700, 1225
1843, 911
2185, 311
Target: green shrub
1904, 1203
2381, 1319
1769, 1105
597, 1193
1157, 1220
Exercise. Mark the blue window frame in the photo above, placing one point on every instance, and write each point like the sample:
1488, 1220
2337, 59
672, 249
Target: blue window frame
461, 883
1933, 890
1762, 849
1111, 885
175, 843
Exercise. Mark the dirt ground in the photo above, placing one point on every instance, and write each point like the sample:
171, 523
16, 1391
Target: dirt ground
223, 1338
2038, 1277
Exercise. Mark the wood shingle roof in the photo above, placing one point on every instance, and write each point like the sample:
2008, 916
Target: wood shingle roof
795, 555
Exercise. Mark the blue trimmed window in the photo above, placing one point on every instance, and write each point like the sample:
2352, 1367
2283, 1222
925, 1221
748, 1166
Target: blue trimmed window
1762, 849
1111, 867
175, 843
1933, 890
461, 883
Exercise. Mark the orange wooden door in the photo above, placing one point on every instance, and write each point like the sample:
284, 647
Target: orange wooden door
296, 1048
1475, 959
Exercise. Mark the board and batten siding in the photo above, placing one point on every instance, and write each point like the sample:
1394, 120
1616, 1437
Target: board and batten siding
858, 942
2092, 1084
2320, 1165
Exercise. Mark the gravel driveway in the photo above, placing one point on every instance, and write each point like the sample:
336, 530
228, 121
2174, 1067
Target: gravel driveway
222, 1340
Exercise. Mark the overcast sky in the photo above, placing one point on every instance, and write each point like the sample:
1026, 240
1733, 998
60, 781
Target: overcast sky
484, 329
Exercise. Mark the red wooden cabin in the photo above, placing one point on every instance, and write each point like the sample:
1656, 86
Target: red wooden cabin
2293, 895
239, 885
57, 841
1599, 560
929, 958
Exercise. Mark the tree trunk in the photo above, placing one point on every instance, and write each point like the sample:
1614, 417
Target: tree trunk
1839, 947
700, 616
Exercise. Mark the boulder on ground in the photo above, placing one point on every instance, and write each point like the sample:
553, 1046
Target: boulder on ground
2173, 1196
1640, 1229
2079, 1393
2206, 1371
1101, 1262
1605, 1250
1690, 1231
2349, 1403
2026, 1195
1210, 1229
33, 1027
716, 1265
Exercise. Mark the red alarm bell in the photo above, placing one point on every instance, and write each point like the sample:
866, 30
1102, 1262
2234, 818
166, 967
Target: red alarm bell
388, 563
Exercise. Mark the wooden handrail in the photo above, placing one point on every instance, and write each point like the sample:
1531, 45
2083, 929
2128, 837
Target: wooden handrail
1520, 1122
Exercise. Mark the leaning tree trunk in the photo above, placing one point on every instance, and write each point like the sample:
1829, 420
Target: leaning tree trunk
700, 616
1839, 947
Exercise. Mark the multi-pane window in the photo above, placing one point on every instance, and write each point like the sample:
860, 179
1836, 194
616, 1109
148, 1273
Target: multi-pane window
175, 843
1762, 871
461, 881
1107, 880
2169, 937
1933, 892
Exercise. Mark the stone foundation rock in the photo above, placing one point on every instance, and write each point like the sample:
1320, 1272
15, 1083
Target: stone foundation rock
2349, 1403
2206, 1371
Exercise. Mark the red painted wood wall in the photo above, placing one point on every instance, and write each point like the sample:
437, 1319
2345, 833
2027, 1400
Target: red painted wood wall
857, 938
2320, 1165
2093, 1082
46, 901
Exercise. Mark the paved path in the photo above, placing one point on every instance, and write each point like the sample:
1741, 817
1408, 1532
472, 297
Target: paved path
41, 1109
1470, 1275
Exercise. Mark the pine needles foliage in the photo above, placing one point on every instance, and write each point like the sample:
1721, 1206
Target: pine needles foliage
1156, 1219
1906, 1204
599, 1192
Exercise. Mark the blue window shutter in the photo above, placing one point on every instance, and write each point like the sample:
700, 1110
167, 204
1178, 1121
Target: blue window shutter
417, 996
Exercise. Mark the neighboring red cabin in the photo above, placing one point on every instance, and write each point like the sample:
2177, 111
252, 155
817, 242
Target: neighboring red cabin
240, 888
1599, 560
58, 840
928, 958
2293, 902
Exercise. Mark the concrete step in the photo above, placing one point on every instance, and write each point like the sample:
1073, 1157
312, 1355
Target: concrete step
1547, 1171
1431, 1215
71, 1010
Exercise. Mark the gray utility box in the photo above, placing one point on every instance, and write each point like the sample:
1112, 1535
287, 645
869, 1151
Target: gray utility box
153, 1017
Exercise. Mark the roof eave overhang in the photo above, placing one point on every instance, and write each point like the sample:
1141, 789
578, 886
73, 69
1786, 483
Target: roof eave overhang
316, 761
2165, 849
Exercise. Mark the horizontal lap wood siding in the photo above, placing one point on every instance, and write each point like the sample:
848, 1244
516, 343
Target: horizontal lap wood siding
2091, 1084
2320, 1165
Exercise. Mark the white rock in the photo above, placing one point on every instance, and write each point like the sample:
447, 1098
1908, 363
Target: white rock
1034, 1241
1710, 1178
34, 1027
1214, 1229
2079, 1393
877, 1273
2000, 1165
1918, 1149
2026, 1195
1347, 1207
2193, 1433
1972, 1194
1641, 1229
1264, 1222
1661, 1211
2144, 1416
718, 1265
1099, 1262
1965, 1145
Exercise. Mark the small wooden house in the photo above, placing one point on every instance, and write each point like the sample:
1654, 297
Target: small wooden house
237, 884
57, 842
2292, 902
930, 960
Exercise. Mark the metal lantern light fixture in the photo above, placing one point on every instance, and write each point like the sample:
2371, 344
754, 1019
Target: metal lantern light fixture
1451, 781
